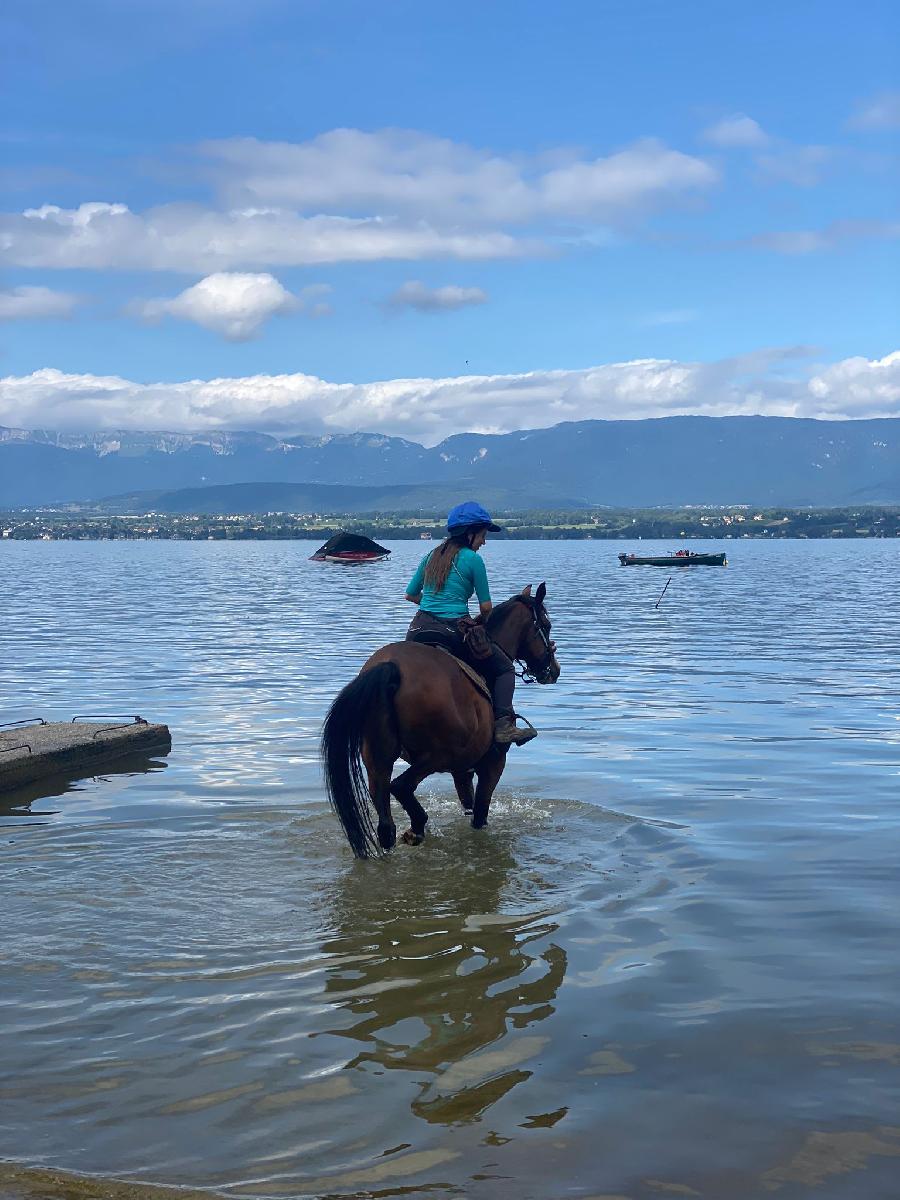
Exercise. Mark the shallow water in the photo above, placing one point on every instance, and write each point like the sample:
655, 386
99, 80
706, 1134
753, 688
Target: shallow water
670, 963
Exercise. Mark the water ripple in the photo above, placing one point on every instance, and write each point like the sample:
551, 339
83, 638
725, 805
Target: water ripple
669, 964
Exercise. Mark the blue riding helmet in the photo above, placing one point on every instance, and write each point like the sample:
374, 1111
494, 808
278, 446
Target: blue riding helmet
469, 513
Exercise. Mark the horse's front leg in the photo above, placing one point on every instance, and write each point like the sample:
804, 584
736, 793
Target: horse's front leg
488, 771
464, 781
403, 789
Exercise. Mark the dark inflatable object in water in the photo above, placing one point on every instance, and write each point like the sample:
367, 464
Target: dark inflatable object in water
350, 548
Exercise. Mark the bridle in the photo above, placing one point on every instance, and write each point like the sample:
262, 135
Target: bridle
544, 672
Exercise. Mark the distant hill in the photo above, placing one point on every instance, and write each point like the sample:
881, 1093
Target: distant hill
668, 461
234, 498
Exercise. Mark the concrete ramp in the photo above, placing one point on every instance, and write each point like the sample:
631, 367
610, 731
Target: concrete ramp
37, 748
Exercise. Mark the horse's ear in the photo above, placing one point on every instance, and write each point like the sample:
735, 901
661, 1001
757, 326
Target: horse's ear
541, 593
526, 591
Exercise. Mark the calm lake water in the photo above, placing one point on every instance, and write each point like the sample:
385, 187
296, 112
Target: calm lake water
668, 968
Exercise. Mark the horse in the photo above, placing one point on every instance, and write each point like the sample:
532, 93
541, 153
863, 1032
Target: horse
415, 702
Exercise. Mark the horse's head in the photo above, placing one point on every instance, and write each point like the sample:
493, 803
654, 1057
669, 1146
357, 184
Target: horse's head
522, 628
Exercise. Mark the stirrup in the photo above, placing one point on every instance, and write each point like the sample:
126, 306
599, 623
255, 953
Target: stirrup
520, 736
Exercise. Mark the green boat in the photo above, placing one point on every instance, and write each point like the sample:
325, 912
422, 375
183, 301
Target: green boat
684, 558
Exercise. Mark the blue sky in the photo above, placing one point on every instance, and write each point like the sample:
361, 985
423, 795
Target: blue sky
539, 212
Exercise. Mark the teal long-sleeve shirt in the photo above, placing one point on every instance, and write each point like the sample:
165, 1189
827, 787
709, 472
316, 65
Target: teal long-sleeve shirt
467, 575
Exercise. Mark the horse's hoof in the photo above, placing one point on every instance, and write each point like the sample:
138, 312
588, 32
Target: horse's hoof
411, 838
387, 836
479, 824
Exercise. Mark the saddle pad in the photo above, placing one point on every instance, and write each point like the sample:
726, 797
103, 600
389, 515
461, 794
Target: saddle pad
477, 679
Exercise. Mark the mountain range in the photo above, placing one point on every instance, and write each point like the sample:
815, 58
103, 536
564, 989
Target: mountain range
664, 461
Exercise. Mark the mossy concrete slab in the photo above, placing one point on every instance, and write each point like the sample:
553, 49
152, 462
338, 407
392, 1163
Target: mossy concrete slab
30, 752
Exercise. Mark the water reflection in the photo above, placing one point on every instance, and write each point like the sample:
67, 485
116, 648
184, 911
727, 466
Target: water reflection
162, 973
17, 803
443, 986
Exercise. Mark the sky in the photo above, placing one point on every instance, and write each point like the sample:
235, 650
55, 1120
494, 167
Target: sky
419, 219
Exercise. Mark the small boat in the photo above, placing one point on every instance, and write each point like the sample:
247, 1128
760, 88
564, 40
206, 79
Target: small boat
684, 558
350, 548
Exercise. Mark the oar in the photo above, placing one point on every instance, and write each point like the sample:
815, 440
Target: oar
663, 592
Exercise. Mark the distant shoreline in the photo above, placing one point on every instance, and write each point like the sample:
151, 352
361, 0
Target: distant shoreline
732, 523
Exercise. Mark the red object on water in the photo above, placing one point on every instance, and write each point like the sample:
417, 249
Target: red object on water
352, 557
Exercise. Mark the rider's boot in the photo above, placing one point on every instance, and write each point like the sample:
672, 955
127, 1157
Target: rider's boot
506, 732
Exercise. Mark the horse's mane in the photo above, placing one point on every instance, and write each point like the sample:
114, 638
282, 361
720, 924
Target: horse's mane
501, 611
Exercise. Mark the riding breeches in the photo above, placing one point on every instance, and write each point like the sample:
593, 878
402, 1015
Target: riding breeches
497, 670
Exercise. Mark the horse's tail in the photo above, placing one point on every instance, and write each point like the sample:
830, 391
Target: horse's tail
342, 737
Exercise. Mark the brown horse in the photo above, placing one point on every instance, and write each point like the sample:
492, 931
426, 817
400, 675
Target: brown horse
414, 702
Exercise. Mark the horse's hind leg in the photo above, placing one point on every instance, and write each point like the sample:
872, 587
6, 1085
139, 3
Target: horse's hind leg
379, 775
380, 749
380, 791
464, 781
489, 771
403, 789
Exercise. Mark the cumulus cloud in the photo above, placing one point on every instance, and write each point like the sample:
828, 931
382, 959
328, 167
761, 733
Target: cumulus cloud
854, 384
414, 294
403, 171
776, 159
188, 238
349, 196
35, 304
880, 112
232, 304
737, 132
769, 382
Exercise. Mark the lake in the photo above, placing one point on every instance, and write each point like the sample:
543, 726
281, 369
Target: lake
669, 967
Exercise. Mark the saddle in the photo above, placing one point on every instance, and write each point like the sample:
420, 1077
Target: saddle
448, 644
475, 638
479, 680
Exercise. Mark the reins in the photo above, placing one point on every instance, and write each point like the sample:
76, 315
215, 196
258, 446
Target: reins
526, 674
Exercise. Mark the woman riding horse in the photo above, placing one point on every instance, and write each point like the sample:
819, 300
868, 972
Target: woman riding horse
442, 585
410, 701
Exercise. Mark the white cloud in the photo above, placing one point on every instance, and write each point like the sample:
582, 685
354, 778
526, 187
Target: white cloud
812, 241
187, 238
776, 159
767, 382
802, 166
880, 112
232, 304
792, 241
35, 303
612, 188
414, 294
737, 132
312, 301
349, 196
405, 172
858, 386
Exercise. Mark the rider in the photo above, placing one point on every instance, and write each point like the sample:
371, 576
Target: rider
444, 580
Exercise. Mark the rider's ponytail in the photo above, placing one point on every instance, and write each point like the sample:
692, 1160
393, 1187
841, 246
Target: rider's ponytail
440, 561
